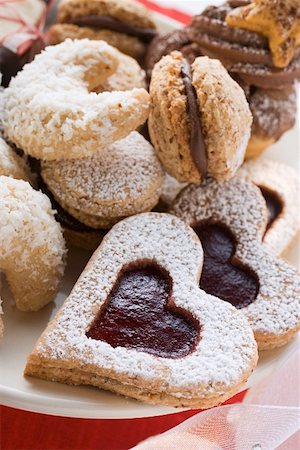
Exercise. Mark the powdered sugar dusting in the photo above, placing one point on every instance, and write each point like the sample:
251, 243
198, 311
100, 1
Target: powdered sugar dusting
283, 181
120, 180
226, 351
239, 205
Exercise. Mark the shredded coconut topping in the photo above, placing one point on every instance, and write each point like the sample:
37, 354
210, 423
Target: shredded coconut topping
226, 351
239, 205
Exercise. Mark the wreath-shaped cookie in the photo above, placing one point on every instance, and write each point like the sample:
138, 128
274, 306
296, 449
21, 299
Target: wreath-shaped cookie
136, 322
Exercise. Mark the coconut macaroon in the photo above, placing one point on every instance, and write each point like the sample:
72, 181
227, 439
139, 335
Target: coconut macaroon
32, 247
124, 179
127, 24
200, 121
12, 165
51, 113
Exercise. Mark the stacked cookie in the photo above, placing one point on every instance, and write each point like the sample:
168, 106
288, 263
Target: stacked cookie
171, 307
237, 34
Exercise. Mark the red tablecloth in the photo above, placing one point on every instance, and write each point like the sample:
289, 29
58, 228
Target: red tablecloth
21, 430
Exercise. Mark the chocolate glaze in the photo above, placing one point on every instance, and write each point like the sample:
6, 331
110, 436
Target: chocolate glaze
222, 276
274, 205
110, 23
244, 53
197, 144
139, 314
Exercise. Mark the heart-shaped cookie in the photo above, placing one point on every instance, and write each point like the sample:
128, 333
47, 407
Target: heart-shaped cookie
231, 218
137, 323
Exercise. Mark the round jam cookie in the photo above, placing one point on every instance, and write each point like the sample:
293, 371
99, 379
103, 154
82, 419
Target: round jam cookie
123, 179
136, 322
247, 57
163, 44
230, 219
32, 248
12, 165
280, 187
126, 24
200, 120
50, 112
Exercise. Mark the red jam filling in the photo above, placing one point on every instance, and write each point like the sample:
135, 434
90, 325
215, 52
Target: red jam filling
274, 205
221, 275
139, 313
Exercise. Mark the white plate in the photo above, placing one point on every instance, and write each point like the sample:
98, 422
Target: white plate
23, 329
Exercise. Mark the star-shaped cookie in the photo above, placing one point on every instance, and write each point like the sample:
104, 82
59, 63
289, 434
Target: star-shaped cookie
277, 20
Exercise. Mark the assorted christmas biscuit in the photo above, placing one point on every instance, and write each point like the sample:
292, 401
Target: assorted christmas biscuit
230, 219
125, 178
125, 24
50, 112
161, 313
199, 121
136, 322
280, 187
32, 250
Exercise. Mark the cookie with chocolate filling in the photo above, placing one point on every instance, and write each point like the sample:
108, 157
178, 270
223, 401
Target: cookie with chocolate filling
94, 193
200, 120
247, 56
125, 24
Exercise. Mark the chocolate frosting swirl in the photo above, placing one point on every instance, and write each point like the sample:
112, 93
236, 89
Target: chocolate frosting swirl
110, 23
197, 144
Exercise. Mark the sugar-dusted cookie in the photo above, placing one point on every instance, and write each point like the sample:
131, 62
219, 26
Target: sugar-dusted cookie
125, 24
170, 190
50, 112
200, 121
136, 322
12, 165
32, 247
230, 219
280, 187
125, 178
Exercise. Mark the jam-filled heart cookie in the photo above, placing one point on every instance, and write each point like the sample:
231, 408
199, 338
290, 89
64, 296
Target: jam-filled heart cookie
280, 187
125, 178
200, 120
32, 248
51, 113
230, 219
12, 165
136, 322
125, 24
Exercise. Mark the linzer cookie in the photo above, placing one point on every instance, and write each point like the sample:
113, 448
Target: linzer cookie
125, 178
280, 187
199, 121
136, 322
51, 113
247, 54
32, 247
230, 219
125, 24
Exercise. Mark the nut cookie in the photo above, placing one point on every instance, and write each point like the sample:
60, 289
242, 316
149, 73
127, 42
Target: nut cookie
123, 179
136, 322
230, 219
50, 112
126, 24
280, 187
12, 165
32, 248
200, 121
